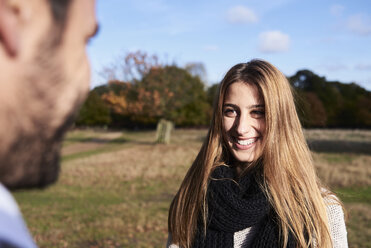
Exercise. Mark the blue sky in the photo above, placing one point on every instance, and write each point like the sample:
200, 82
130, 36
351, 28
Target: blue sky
330, 37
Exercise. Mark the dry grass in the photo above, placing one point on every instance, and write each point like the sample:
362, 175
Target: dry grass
147, 162
359, 225
343, 170
78, 141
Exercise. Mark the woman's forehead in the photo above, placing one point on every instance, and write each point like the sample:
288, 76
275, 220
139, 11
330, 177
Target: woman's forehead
243, 93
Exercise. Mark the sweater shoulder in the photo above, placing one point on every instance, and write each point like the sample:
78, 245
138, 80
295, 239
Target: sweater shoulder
336, 221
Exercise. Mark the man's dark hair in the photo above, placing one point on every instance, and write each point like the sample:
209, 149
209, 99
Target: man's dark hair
59, 10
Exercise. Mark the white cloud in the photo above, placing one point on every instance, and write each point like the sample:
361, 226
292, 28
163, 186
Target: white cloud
273, 41
363, 67
359, 24
211, 47
337, 9
241, 14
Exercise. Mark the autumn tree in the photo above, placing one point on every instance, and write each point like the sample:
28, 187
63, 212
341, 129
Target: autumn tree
173, 93
120, 97
150, 90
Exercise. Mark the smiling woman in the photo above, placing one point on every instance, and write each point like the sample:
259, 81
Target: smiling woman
253, 182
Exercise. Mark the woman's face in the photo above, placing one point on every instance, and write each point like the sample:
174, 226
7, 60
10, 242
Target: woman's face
244, 121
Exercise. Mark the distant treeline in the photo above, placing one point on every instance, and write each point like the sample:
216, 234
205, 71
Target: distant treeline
321, 103
157, 91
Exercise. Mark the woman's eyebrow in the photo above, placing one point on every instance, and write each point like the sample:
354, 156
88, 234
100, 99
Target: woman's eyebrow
230, 105
256, 106
249, 107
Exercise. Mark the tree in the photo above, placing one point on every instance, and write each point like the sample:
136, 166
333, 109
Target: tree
173, 93
93, 112
310, 110
363, 111
212, 93
345, 105
331, 98
167, 92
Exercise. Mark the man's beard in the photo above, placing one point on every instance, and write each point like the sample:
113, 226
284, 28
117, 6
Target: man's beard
33, 158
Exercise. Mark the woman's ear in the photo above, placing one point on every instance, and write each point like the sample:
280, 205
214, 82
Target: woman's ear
10, 12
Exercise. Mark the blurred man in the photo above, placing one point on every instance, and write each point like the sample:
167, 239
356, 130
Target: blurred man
44, 78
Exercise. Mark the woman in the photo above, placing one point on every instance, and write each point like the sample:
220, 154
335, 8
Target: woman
253, 183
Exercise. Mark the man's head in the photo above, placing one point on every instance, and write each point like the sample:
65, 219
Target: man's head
44, 78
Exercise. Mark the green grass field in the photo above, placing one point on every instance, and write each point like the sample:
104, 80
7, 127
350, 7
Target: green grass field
115, 188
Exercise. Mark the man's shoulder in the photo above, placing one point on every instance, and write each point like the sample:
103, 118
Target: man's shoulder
13, 231
8, 206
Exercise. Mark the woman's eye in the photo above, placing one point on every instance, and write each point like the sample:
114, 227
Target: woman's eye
230, 112
258, 113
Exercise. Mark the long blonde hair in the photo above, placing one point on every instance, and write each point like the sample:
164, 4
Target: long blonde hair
290, 182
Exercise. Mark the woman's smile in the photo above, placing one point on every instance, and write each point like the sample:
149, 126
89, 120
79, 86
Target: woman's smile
245, 144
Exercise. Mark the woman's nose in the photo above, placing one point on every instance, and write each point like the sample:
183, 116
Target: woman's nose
243, 125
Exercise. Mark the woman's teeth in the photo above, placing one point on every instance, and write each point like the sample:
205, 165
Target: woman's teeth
246, 142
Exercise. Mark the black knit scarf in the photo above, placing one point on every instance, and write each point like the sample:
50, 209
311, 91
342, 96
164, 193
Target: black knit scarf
233, 207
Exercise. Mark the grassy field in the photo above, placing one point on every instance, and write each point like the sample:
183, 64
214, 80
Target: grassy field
115, 187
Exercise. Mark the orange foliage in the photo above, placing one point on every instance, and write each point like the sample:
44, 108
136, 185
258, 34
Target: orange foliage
117, 102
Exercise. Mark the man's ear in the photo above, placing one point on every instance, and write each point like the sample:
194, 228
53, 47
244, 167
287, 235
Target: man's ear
9, 29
